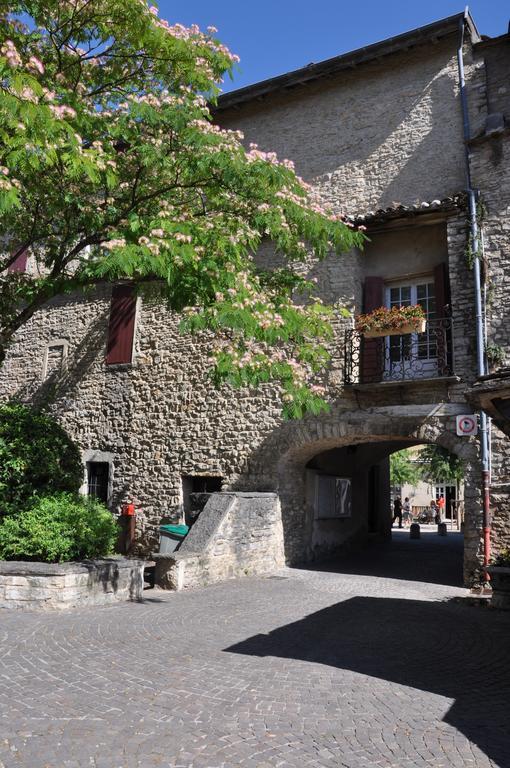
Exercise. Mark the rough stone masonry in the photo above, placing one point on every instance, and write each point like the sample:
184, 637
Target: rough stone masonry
379, 133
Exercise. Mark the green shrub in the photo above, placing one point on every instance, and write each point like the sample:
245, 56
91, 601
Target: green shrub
58, 529
37, 458
503, 559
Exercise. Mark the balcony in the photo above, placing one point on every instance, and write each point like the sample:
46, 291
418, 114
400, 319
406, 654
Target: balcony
410, 357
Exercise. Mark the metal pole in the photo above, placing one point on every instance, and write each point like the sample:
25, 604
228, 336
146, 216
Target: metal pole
476, 246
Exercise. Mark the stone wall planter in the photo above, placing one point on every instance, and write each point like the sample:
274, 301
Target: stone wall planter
28, 586
418, 326
500, 583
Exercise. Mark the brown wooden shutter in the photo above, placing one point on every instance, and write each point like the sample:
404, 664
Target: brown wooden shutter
372, 350
442, 292
20, 262
121, 328
441, 328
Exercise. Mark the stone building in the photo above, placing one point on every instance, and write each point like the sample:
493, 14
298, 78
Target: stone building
379, 132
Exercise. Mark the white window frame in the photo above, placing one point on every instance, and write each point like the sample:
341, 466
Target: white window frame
428, 365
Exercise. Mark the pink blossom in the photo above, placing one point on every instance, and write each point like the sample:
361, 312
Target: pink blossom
35, 65
10, 52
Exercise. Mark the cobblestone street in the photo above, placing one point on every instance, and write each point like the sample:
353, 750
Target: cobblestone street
380, 665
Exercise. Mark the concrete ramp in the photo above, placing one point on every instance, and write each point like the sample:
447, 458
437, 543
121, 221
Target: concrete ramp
236, 535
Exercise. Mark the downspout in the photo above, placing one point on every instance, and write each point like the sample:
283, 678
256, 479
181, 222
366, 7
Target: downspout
476, 247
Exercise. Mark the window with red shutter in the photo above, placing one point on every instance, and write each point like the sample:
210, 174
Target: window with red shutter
442, 290
372, 350
20, 262
443, 331
121, 328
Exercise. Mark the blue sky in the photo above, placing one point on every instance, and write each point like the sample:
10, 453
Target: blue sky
275, 36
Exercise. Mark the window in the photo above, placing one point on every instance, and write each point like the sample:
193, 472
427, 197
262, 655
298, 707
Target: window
332, 497
414, 352
20, 262
411, 356
98, 476
121, 328
54, 357
194, 490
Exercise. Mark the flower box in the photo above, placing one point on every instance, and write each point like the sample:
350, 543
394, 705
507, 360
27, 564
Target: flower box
418, 326
392, 321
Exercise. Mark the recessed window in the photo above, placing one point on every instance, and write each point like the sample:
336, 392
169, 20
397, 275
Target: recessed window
20, 262
416, 352
98, 477
195, 489
203, 483
332, 497
54, 357
121, 327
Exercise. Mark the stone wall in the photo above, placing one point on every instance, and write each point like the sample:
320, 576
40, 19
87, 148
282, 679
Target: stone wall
236, 535
43, 586
389, 131
490, 160
379, 430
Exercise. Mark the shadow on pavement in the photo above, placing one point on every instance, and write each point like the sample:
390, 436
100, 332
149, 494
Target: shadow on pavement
432, 558
461, 654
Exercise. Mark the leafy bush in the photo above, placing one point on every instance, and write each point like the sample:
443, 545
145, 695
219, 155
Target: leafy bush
58, 529
37, 458
503, 559
404, 468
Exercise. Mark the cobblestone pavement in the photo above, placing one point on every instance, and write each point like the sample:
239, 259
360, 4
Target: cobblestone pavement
381, 665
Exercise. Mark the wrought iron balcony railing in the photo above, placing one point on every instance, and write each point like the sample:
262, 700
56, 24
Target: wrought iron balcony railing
412, 356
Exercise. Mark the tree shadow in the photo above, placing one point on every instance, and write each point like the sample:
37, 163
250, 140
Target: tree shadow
61, 386
349, 139
427, 646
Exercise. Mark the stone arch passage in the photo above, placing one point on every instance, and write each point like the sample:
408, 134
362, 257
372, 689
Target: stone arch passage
373, 435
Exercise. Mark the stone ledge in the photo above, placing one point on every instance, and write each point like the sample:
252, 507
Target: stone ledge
54, 586
29, 568
436, 380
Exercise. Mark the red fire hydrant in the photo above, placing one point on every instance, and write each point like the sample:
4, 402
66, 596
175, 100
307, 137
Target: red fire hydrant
128, 526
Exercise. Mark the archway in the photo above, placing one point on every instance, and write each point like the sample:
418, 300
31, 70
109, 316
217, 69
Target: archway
353, 445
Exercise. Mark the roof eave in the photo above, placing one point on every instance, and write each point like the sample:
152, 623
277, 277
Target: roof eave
420, 36
447, 206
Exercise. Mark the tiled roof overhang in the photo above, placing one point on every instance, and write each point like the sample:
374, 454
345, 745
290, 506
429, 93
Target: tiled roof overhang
430, 33
448, 205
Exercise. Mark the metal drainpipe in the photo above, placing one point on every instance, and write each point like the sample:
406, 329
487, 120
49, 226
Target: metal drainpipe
476, 246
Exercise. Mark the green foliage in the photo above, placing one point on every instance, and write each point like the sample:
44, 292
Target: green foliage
36, 457
111, 168
502, 559
439, 465
403, 468
58, 529
495, 354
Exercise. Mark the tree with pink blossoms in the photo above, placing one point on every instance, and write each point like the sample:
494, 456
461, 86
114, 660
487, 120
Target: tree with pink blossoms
112, 168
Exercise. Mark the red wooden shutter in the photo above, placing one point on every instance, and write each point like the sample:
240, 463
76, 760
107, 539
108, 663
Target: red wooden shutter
441, 290
442, 331
372, 357
121, 329
20, 262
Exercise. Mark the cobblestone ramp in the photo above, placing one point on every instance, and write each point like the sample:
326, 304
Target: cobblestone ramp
312, 668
